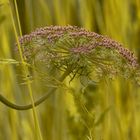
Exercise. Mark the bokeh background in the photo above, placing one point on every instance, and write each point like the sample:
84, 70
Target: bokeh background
105, 111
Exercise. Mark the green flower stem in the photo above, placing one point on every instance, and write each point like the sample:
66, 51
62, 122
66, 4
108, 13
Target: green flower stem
37, 102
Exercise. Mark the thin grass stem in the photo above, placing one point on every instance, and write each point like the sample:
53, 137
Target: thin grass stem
36, 103
25, 69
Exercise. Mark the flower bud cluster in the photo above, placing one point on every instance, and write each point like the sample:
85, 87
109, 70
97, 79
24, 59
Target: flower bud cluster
56, 32
53, 33
128, 55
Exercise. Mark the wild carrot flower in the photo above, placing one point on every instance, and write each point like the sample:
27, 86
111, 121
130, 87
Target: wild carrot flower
85, 53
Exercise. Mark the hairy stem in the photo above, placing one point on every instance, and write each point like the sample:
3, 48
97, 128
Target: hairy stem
37, 102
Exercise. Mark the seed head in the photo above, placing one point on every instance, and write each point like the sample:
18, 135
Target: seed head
83, 51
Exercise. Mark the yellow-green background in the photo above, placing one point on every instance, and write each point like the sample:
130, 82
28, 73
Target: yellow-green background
119, 19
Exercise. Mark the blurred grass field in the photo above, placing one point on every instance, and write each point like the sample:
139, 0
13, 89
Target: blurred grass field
113, 108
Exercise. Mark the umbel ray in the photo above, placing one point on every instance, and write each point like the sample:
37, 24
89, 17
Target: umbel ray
75, 52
